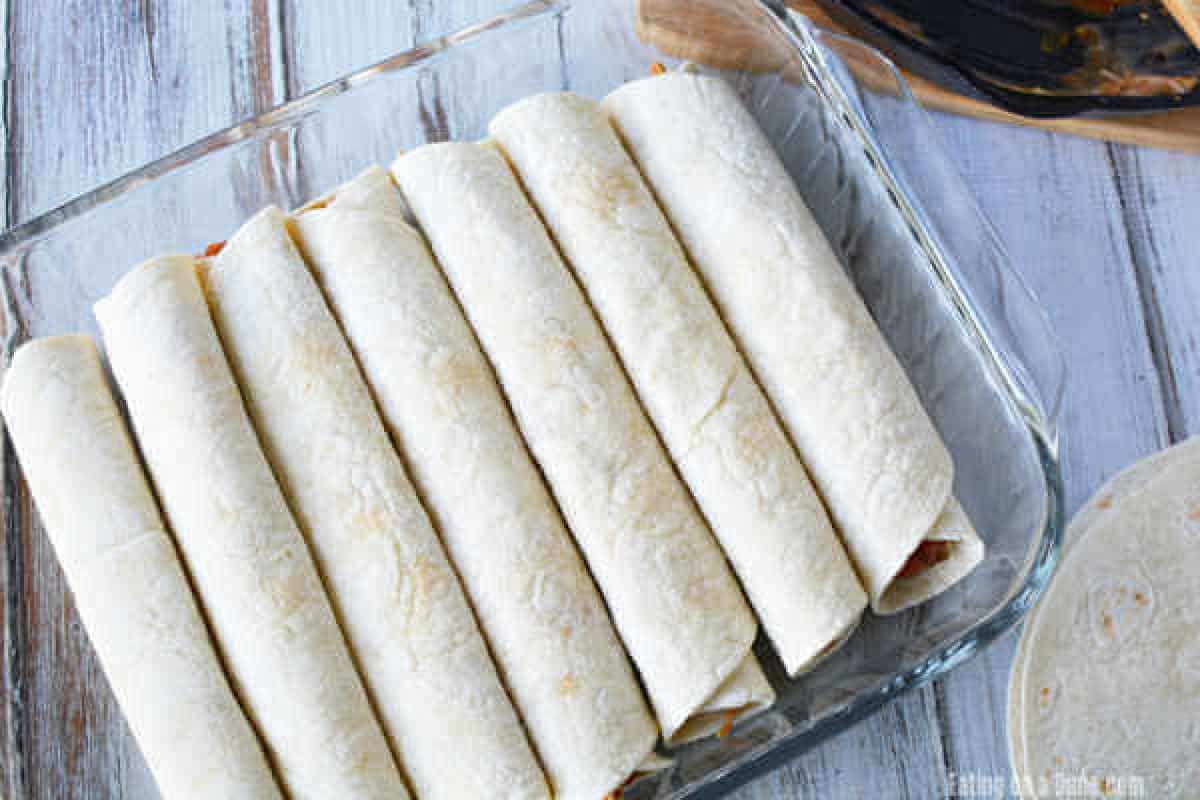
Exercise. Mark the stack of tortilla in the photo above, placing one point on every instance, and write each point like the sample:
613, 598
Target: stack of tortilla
447, 491
1104, 695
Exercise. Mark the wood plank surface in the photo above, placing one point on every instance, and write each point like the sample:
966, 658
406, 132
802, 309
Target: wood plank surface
1159, 197
1055, 202
1107, 235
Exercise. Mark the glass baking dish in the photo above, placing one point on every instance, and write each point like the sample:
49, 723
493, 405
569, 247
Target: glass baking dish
972, 337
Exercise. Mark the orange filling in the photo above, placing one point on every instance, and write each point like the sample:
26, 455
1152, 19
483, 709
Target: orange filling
727, 726
927, 554
213, 249
616, 794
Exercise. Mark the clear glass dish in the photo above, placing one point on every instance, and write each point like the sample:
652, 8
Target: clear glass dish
973, 339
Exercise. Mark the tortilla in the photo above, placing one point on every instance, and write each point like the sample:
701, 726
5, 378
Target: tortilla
1140, 516
713, 418
248, 561
672, 597
871, 449
129, 586
404, 613
1126, 482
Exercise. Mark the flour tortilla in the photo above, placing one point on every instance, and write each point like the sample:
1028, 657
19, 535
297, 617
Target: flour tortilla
129, 586
870, 447
404, 613
1126, 484
672, 597
251, 568
537, 605
713, 418
1106, 681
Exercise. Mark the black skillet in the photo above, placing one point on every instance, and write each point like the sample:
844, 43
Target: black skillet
1040, 58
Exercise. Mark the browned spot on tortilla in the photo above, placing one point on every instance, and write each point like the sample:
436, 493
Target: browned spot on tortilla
456, 374
424, 575
605, 193
1194, 513
1045, 692
311, 356
926, 556
369, 521
562, 347
1106, 786
1107, 621
1104, 502
455, 370
568, 684
1139, 598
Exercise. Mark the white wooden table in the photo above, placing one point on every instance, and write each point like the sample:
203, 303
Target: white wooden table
1109, 236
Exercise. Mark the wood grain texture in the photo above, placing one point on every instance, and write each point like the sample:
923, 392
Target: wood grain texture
1056, 204
1106, 234
1158, 197
317, 50
11, 735
98, 94
895, 754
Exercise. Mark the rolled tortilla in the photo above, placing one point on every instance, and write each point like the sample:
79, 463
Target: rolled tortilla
712, 416
537, 605
251, 568
423, 658
129, 587
870, 447
673, 599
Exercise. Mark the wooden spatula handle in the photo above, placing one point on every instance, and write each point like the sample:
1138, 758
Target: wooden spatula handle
1187, 14
711, 32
